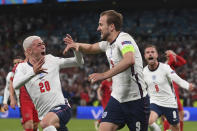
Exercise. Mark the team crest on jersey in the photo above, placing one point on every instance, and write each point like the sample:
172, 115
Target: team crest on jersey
126, 42
104, 114
154, 77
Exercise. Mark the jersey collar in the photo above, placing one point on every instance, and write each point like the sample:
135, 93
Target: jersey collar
114, 39
29, 64
155, 68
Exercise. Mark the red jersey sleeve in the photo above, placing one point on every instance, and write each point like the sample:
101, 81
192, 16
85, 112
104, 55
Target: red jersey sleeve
180, 61
171, 61
176, 63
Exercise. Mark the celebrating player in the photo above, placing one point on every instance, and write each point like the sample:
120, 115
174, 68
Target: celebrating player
40, 76
159, 77
129, 103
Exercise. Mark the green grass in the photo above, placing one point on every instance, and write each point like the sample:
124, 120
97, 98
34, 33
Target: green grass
74, 125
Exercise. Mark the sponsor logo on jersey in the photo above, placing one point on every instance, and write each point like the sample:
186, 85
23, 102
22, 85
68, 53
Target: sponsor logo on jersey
104, 114
126, 42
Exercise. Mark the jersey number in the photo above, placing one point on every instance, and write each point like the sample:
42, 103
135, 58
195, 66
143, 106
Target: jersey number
157, 88
138, 126
45, 86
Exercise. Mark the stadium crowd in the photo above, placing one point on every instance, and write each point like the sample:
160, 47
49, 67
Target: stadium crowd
167, 29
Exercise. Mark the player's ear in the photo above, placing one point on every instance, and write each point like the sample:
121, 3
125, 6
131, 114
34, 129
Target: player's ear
111, 27
28, 52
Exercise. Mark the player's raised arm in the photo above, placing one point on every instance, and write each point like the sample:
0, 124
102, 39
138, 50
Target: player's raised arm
83, 47
182, 83
77, 60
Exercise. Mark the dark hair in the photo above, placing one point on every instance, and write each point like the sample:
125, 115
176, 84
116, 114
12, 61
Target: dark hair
113, 17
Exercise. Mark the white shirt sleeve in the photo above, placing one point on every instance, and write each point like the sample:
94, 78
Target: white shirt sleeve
77, 60
21, 77
124, 41
103, 45
6, 90
174, 77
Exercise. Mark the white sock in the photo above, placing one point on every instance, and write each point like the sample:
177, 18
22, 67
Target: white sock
155, 127
50, 128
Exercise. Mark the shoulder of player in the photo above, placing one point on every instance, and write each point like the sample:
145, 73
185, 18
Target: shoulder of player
125, 38
9, 75
164, 67
145, 69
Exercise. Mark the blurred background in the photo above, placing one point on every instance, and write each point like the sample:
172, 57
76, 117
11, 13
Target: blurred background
169, 24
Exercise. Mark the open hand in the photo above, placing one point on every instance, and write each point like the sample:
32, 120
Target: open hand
37, 67
191, 86
70, 44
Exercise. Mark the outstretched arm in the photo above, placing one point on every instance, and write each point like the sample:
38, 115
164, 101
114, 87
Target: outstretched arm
77, 60
182, 83
83, 47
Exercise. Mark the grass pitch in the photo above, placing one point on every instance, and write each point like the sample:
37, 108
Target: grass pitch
75, 125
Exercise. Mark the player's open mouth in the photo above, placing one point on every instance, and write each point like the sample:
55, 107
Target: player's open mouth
150, 58
42, 53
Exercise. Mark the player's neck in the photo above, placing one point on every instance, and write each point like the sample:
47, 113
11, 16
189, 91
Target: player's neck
113, 36
153, 66
34, 59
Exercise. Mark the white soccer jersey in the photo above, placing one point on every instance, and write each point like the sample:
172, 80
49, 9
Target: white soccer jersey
160, 87
45, 88
6, 90
129, 84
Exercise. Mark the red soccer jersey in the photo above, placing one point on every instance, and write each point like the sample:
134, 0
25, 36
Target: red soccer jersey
106, 92
174, 63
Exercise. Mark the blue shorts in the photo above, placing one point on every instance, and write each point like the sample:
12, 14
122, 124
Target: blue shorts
64, 114
133, 113
171, 114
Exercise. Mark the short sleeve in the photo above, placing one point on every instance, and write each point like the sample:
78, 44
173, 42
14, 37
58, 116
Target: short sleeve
126, 44
103, 45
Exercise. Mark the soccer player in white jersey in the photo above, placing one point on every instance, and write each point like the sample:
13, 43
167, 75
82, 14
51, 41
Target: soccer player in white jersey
40, 76
159, 77
129, 103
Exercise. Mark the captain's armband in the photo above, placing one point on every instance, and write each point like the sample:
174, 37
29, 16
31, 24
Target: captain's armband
127, 48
